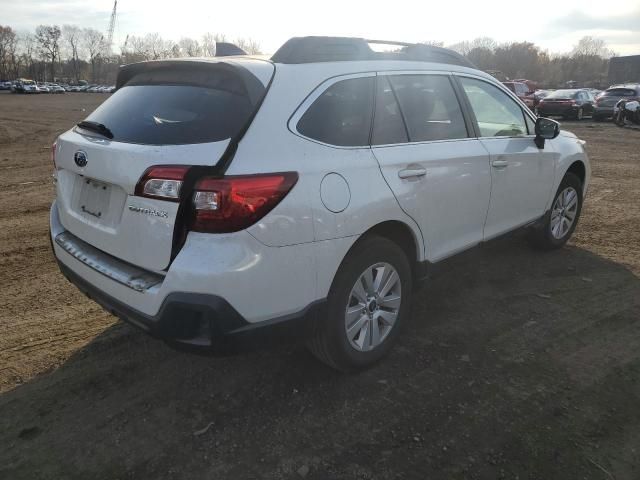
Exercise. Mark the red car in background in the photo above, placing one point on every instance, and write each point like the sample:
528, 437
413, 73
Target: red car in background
523, 91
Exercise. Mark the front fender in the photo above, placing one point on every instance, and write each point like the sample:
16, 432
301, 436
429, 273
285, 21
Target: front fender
569, 149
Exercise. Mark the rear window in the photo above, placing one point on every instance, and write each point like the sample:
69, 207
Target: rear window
563, 94
619, 92
175, 107
342, 114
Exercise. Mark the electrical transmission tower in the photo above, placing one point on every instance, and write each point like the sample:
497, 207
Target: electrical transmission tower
112, 26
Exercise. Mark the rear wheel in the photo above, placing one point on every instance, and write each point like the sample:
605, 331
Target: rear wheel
368, 301
580, 114
558, 224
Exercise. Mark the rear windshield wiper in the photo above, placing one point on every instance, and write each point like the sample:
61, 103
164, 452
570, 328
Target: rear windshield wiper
96, 127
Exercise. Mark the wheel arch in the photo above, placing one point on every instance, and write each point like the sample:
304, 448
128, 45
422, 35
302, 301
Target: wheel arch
579, 169
401, 234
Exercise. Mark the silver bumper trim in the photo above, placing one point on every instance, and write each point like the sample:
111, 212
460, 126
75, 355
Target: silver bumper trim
117, 270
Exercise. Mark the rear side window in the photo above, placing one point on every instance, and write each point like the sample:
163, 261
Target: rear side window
430, 107
341, 115
172, 108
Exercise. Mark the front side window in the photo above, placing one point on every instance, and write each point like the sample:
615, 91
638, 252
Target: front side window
429, 106
341, 115
497, 114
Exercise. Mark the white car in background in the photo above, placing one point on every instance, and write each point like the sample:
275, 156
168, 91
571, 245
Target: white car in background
218, 203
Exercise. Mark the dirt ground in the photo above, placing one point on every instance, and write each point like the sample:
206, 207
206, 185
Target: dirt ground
516, 365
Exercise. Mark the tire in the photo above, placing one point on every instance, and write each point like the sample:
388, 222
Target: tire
547, 235
579, 114
330, 342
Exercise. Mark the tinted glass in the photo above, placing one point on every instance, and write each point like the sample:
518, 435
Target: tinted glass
496, 113
341, 115
430, 107
388, 126
174, 114
563, 94
619, 92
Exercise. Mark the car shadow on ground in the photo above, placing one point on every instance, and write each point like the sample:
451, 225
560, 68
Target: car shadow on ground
514, 363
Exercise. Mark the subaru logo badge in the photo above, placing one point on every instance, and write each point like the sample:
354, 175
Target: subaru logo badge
80, 158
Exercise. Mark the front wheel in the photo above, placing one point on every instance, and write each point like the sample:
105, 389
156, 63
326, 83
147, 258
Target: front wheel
580, 114
558, 224
367, 303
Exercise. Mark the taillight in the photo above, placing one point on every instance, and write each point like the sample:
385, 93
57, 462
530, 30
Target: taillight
233, 203
162, 182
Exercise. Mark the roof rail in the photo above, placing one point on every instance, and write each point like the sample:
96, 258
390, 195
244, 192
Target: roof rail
336, 49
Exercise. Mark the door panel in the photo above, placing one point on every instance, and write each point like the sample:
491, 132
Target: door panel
449, 202
442, 179
521, 173
521, 177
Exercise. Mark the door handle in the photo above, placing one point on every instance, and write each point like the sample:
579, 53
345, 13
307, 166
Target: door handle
500, 163
412, 172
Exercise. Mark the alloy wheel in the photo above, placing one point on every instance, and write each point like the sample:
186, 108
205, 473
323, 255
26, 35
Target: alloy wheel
373, 306
564, 212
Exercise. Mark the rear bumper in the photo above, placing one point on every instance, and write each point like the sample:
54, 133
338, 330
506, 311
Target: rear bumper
603, 111
216, 296
203, 323
568, 110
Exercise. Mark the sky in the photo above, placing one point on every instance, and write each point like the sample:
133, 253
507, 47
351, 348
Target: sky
555, 26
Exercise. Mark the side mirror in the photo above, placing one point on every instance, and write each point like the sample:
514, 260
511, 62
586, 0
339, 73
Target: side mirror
546, 129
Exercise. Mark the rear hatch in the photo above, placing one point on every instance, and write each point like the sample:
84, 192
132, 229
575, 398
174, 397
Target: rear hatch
177, 113
610, 97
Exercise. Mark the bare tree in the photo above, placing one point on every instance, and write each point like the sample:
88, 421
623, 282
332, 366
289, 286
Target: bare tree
591, 47
48, 37
7, 38
157, 47
209, 41
433, 43
189, 47
249, 45
93, 42
71, 35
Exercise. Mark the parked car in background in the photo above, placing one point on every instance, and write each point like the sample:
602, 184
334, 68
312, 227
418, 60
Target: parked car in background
24, 85
54, 88
352, 172
523, 92
537, 96
5, 85
42, 88
569, 103
610, 97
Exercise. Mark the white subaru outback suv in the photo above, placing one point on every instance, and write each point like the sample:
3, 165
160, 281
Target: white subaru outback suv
224, 202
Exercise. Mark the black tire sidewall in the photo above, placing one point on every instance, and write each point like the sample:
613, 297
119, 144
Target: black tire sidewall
367, 252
